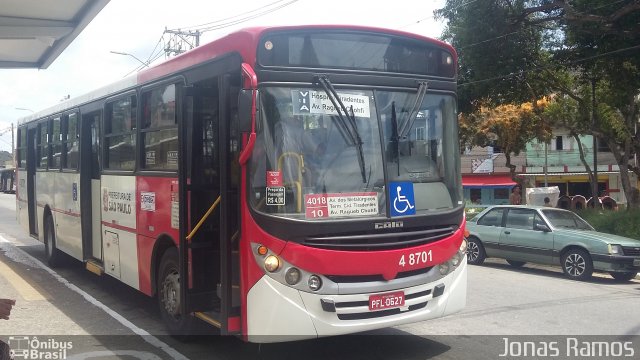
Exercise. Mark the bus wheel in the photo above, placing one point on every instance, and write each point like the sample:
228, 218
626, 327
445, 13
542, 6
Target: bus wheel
169, 295
54, 256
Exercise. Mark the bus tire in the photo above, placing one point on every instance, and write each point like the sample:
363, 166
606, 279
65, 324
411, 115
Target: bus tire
54, 256
168, 287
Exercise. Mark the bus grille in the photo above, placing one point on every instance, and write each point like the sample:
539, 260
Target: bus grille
358, 310
378, 241
631, 251
345, 279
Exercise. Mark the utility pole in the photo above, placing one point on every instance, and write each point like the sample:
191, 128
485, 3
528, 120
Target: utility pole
180, 41
594, 189
546, 164
13, 148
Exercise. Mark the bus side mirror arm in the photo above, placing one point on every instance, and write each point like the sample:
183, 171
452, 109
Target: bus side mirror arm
247, 110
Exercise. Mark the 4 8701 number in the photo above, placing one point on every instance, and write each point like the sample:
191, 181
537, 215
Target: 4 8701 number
420, 257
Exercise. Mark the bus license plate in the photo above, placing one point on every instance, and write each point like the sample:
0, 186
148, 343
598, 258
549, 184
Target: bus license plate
386, 301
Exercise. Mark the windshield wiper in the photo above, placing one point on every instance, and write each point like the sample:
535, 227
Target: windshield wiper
347, 121
415, 109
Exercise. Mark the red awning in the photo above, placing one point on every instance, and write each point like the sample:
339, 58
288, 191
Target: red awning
487, 181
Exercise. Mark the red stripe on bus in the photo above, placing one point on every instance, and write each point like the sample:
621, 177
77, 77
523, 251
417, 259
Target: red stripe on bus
60, 211
66, 212
118, 227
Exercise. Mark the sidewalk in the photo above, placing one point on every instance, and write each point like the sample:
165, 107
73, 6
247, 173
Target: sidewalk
36, 293
54, 318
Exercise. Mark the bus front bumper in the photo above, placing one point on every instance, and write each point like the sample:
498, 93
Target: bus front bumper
276, 312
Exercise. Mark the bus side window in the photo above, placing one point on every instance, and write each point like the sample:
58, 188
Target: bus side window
71, 142
119, 130
55, 144
159, 129
43, 145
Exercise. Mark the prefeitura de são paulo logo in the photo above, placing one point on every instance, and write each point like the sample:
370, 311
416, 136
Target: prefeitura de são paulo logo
31, 347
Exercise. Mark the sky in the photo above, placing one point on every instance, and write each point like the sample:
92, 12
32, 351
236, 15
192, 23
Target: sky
136, 27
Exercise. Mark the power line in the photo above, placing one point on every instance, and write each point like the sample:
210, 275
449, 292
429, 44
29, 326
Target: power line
433, 16
4, 141
487, 40
416, 22
515, 32
246, 18
195, 27
154, 49
609, 4
180, 41
549, 66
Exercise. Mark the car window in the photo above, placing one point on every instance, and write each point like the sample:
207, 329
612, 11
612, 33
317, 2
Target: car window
566, 219
537, 220
492, 218
520, 219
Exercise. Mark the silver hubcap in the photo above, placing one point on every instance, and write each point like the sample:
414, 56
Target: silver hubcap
171, 294
575, 264
473, 251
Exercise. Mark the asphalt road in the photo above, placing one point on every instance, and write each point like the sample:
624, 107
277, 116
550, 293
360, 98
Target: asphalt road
102, 319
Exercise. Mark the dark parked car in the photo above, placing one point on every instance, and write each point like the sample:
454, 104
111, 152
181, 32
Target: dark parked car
551, 236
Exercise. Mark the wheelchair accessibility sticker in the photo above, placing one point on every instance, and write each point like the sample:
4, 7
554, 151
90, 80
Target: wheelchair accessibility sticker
402, 199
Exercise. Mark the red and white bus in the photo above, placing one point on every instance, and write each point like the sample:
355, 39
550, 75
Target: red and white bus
279, 183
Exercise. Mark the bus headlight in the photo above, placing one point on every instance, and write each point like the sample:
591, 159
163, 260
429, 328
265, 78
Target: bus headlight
271, 263
444, 268
315, 283
279, 269
292, 276
455, 260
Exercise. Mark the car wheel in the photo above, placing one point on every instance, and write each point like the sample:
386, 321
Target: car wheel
624, 276
168, 286
577, 264
475, 251
54, 256
516, 263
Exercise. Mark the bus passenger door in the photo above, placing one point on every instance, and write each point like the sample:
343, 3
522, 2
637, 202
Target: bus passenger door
90, 196
211, 179
199, 183
31, 179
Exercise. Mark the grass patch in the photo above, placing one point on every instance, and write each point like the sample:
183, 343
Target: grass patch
623, 223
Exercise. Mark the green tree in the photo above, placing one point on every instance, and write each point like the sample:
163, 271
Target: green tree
512, 51
507, 126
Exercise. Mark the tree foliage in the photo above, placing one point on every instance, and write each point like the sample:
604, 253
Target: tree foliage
514, 51
507, 126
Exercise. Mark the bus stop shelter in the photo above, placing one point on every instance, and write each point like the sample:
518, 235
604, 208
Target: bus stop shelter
33, 33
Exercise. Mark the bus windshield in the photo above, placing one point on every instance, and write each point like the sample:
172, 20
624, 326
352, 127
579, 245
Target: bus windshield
315, 163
